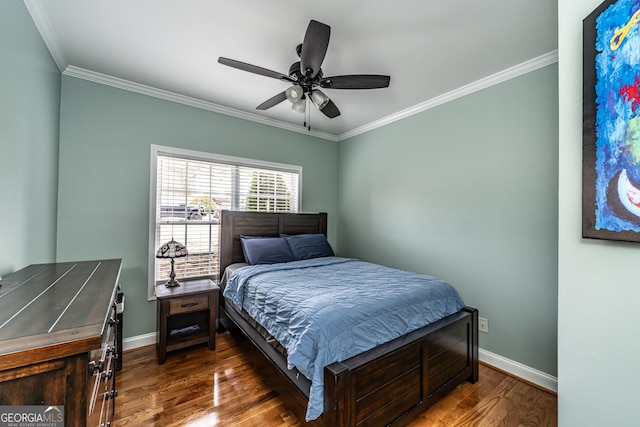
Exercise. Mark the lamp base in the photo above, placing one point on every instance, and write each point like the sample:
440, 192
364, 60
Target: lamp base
172, 283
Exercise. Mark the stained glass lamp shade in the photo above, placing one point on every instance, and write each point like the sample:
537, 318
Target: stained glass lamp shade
172, 250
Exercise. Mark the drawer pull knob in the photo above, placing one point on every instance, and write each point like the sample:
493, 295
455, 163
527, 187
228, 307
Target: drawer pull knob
189, 304
93, 366
110, 394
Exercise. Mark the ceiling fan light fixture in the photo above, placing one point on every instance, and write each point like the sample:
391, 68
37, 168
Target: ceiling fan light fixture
299, 106
306, 74
319, 99
294, 93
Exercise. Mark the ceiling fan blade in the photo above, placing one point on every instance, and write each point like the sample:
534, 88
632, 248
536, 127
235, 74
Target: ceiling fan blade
273, 101
253, 69
355, 81
314, 47
331, 110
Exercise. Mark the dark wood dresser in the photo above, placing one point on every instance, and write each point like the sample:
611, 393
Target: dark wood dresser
58, 327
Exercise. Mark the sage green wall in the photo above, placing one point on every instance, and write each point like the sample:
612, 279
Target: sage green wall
103, 201
29, 120
599, 288
467, 191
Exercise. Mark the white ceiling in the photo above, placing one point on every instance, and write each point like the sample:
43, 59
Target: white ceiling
429, 48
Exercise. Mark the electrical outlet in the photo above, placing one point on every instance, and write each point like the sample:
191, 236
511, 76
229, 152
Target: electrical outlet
483, 325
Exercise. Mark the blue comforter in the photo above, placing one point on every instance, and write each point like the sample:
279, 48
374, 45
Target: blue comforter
326, 310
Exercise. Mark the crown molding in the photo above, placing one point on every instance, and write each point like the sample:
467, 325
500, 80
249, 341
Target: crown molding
127, 85
494, 79
39, 17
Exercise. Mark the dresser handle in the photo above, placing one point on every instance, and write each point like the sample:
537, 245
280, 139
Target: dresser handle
93, 366
189, 304
110, 394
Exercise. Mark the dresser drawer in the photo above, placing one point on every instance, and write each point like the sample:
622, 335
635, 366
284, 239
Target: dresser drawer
102, 387
188, 304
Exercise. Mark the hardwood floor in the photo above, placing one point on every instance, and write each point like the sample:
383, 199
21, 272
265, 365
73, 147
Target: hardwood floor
201, 388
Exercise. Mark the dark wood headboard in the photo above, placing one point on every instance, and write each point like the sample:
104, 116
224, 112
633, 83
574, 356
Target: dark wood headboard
236, 223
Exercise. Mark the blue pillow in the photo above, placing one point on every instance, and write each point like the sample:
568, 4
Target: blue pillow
265, 250
307, 246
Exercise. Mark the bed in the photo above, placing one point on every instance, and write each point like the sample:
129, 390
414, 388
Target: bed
390, 384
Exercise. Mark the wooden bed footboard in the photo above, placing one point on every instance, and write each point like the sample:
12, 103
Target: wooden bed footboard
394, 383
391, 384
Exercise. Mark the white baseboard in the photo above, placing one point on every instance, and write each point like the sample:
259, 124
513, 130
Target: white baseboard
138, 341
519, 370
514, 368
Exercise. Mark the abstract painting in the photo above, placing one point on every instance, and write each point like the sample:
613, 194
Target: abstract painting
611, 122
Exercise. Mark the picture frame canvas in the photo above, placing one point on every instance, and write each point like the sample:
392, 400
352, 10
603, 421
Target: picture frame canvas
611, 122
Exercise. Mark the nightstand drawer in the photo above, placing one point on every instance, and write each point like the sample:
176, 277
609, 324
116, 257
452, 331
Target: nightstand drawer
188, 304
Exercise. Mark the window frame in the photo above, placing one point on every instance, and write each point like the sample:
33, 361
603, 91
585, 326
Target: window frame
202, 156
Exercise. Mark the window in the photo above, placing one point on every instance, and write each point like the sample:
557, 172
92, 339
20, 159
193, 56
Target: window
189, 189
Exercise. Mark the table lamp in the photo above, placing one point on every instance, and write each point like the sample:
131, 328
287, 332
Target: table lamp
172, 250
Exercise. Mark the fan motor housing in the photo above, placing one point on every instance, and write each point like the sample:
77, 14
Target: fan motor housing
301, 79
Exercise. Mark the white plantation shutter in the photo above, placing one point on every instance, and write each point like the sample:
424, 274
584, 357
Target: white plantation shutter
188, 191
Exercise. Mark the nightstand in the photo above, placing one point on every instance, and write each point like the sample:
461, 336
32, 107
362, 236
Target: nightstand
186, 315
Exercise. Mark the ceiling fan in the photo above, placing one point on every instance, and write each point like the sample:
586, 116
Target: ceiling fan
306, 75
